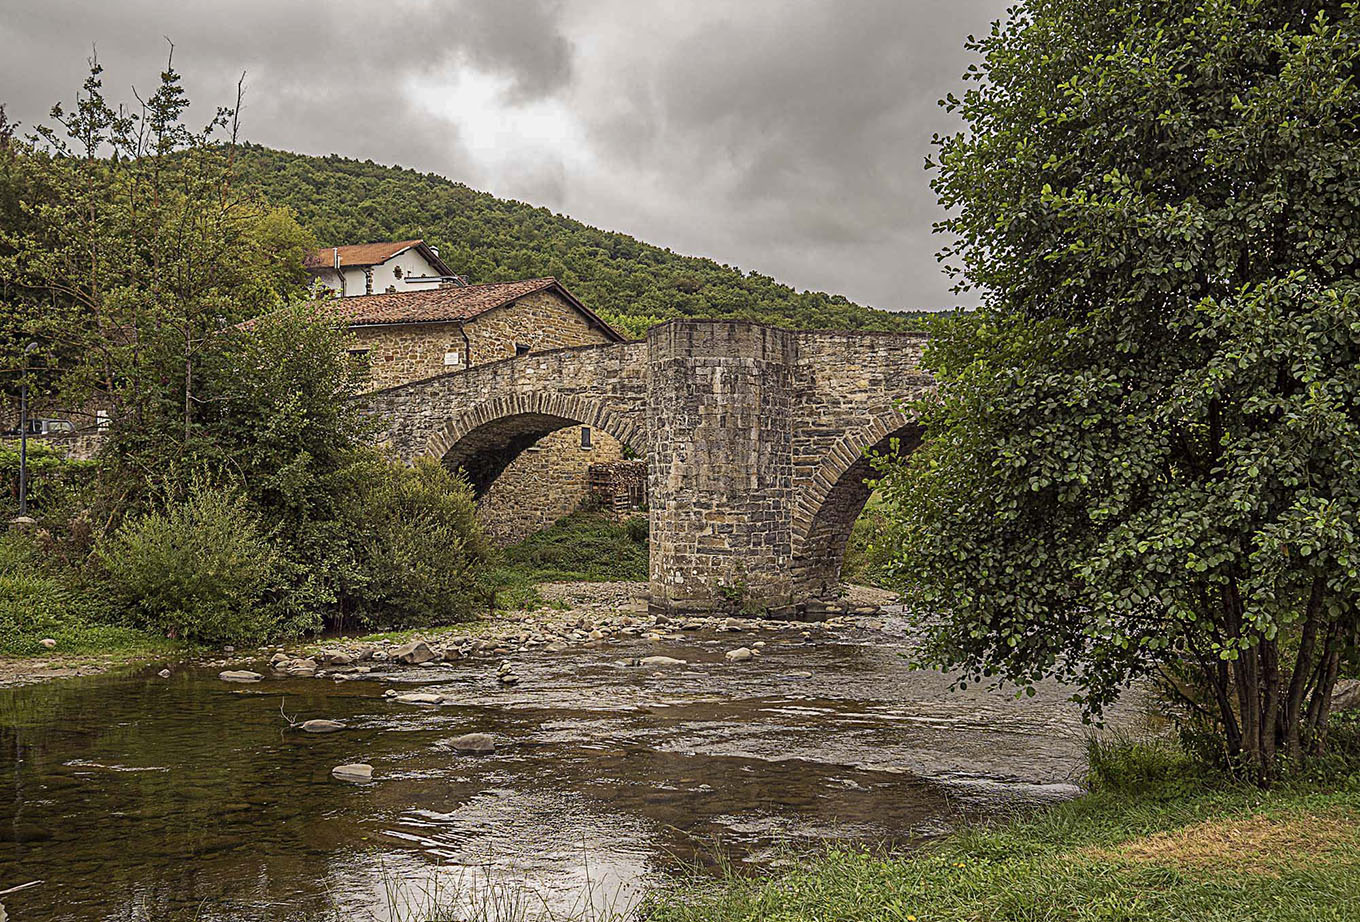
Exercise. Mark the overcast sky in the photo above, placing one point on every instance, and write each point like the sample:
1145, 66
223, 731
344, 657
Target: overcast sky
787, 137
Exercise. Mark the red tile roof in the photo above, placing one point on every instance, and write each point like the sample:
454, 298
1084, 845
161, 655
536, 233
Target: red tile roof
370, 254
451, 304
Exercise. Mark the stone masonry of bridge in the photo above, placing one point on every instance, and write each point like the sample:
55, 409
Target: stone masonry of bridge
755, 440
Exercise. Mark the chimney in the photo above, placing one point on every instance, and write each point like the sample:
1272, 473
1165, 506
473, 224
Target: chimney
335, 258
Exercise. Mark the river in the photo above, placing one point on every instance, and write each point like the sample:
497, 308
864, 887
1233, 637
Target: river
137, 797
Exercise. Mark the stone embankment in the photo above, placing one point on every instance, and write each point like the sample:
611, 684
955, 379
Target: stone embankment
577, 615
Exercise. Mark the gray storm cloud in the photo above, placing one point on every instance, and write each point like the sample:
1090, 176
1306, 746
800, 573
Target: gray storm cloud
785, 137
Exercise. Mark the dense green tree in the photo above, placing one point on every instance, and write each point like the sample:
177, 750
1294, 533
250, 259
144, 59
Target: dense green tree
127, 250
1144, 453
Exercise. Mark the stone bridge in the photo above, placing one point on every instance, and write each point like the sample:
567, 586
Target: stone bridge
754, 437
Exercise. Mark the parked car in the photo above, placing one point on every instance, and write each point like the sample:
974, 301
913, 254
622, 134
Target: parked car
42, 426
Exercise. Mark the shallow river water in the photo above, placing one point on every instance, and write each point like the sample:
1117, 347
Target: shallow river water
134, 797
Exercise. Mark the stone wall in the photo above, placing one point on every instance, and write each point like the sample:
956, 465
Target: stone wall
548, 480
537, 322
400, 353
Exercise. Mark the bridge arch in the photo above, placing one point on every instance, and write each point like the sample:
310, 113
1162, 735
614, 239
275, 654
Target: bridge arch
483, 439
835, 496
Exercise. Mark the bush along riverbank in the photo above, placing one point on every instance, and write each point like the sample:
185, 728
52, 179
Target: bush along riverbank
1158, 836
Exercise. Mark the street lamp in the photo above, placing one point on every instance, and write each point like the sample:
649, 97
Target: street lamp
23, 432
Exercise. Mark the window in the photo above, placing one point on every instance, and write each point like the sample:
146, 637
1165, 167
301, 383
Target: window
396, 271
521, 349
359, 361
585, 437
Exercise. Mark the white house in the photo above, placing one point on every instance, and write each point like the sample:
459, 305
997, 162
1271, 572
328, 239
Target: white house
379, 268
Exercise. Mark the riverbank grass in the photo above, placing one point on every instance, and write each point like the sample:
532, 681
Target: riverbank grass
1175, 845
585, 546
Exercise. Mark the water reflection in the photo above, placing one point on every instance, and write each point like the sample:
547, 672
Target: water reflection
138, 798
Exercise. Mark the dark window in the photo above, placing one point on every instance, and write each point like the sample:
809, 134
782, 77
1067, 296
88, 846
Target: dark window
521, 349
396, 271
585, 436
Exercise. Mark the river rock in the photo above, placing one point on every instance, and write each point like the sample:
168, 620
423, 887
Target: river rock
301, 667
414, 653
661, 661
420, 698
239, 675
739, 655
321, 726
338, 658
475, 744
354, 771
556, 646
164, 673
48, 642
279, 659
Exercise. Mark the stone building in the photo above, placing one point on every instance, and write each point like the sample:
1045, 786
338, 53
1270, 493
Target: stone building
411, 335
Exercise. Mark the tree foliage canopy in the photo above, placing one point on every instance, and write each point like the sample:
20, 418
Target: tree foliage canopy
1144, 451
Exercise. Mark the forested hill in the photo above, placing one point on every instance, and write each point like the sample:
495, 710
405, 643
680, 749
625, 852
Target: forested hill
488, 239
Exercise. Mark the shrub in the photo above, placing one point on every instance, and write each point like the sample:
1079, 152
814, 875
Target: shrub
421, 551
638, 529
200, 569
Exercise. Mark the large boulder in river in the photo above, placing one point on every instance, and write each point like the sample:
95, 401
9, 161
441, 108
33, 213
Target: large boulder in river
661, 661
739, 655
354, 771
239, 675
321, 726
414, 653
475, 744
419, 698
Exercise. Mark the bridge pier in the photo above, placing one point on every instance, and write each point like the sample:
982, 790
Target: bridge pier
720, 466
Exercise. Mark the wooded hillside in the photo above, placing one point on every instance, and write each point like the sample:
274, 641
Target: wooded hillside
488, 239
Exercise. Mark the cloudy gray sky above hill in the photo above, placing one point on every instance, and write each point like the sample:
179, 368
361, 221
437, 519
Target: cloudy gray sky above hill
785, 136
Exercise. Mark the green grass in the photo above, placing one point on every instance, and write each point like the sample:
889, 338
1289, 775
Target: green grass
40, 599
1157, 838
584, 546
